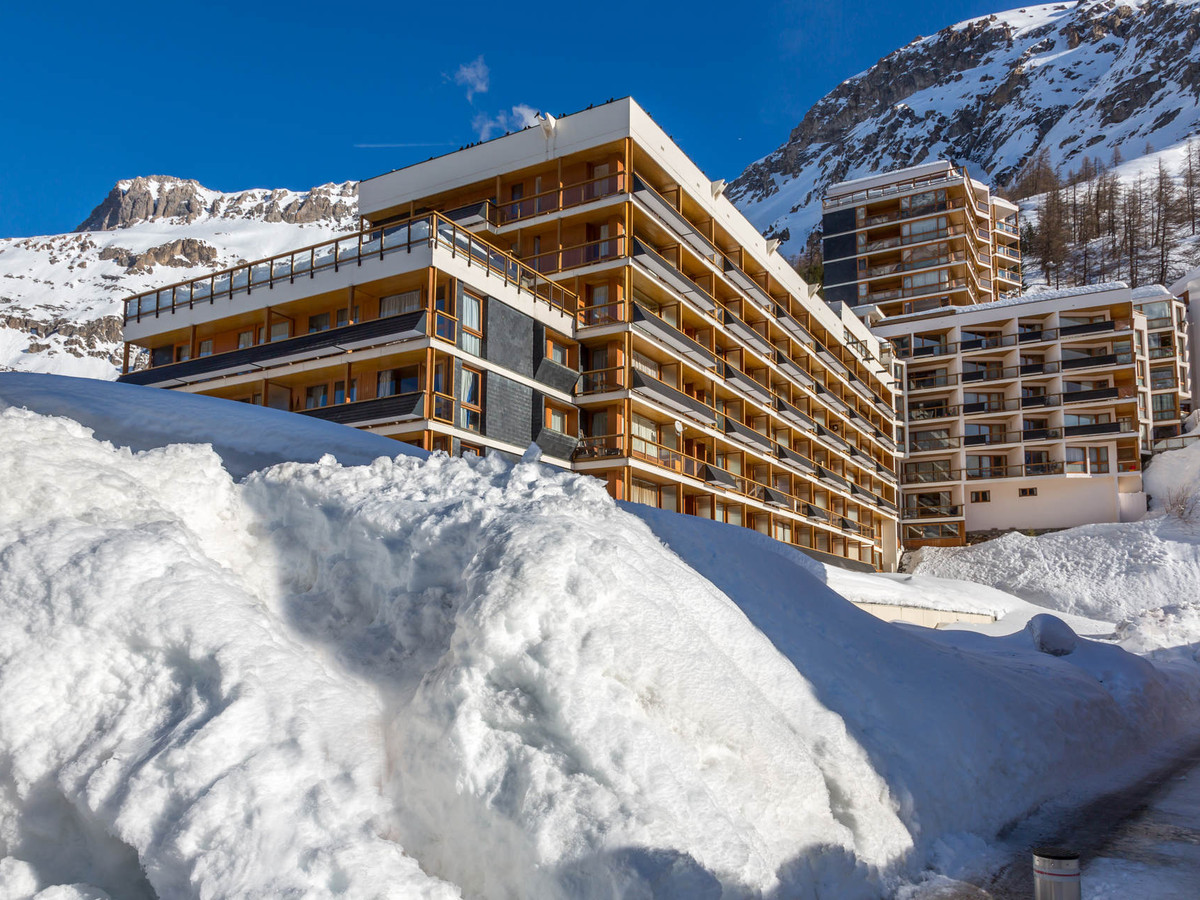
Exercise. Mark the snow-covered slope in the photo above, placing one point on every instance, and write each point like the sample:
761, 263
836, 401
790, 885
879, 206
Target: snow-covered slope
60, 294
427, 677
1078, 79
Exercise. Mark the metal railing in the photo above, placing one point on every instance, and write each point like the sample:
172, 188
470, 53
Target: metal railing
954, 176
432, 229
600, 381
930, 512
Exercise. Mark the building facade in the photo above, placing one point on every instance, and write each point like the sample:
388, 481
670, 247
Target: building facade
580, 284
1168, 350
1024, 413
917, 239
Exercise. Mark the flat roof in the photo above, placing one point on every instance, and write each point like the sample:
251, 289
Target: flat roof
939, 167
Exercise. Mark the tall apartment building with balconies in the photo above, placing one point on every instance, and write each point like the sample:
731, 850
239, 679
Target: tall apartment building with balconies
580, 283
1025, 413
1168, 350
917, 239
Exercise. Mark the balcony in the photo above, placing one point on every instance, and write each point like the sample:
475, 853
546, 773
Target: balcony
795, 416
794, 328
673, 219
930, 382
666, 395
558, 198
664, 332
332, 342
601, 381
743, 433
1014, 470
380, 411
1092, 430
432, 230
746, 384
932, 512
955, 176
665, 271
954, 284
746, 332
1088, 362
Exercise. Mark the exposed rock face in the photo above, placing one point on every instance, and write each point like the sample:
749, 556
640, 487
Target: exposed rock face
182, 253
62, 293
146, 199
1079, 79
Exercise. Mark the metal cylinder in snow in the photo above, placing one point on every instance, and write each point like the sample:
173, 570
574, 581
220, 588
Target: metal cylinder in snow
1055, 874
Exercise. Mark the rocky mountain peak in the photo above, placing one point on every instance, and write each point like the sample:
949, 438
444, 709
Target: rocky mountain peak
1078, 79
155, 197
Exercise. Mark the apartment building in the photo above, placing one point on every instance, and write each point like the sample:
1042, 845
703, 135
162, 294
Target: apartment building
583, 285
917, 239
1023, 413
1168, 349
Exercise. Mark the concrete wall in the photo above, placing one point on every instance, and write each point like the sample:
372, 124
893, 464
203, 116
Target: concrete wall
1061, 502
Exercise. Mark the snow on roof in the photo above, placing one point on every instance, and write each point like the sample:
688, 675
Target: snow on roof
1185, 283
1016, 300
1148, 291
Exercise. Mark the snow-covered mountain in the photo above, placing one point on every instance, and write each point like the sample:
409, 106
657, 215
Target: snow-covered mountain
60, 294
1077, 79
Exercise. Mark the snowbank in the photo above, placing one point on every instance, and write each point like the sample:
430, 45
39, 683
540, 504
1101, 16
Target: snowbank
427, 677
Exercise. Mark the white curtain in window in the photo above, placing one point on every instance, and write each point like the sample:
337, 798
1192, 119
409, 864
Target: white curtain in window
468, 387
471, 313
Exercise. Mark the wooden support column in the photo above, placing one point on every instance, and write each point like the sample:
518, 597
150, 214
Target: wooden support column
125, 360
429, 382
346, 394
192, 342
262, 392
350, 305
266, 335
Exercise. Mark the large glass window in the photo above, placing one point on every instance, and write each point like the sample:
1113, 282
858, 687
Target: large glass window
1162, 377
1098, 460
1076, 459
319, 322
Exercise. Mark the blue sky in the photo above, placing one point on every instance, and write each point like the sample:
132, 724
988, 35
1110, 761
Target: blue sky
240, 95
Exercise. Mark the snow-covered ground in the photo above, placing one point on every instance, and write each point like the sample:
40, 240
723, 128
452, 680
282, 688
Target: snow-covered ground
1143, 577
238, 667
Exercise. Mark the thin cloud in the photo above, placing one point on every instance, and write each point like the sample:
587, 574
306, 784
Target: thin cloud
522, 116
473, 76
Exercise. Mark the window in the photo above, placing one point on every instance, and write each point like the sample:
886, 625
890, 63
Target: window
933, 470
1076, 459
183, 352
1162, 377
1070, 419
931, 532
347, 317
986, 466
982, 401
1164, 406
981, 496
162, 356
397, 381
469, 450
319, 322
643, 492
931, 439
470, 398
339, 391
558, 351
316, 396
1027, 492
1098, 460
245, 339
281, 331
471, 312
556, 420
206, 348
399, 304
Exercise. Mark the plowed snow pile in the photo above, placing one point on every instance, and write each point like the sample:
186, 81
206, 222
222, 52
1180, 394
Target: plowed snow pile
442, 677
